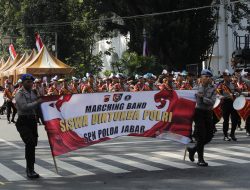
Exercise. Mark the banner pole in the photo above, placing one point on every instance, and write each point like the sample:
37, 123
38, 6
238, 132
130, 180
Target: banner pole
185, 153
54, 159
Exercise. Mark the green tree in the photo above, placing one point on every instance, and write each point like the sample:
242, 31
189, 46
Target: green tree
131, 63
71, 20
175, 39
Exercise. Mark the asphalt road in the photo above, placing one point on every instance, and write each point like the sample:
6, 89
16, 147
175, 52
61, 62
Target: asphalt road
126, 163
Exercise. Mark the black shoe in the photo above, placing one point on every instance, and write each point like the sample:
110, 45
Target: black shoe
32, 174
233, 137
202, 163
215, 130
191, 153
13, 121
226, 138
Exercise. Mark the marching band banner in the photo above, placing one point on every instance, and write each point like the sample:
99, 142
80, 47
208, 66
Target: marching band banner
80, 120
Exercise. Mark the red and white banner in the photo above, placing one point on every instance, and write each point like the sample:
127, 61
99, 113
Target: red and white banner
12, 51
39, 43
80, 120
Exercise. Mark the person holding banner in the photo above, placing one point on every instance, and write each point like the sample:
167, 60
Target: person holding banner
26, 104
203, 118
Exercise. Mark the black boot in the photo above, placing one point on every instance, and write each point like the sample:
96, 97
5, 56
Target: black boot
201, 161
191, 153
32, 174
233, 137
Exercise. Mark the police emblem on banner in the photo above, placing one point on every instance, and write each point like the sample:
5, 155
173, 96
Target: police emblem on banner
128, 97
117, 97
106, 98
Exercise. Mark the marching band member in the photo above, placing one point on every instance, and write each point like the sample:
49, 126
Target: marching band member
131, 85
19, 83
122, 81
205, 99
53, 89
90, 86
8, 96
168, 83
140, 86
115, 85
189, 83
105, 86
38, 88
151, 81
179, 81
74, 87
64, 87
228, 92
83, 83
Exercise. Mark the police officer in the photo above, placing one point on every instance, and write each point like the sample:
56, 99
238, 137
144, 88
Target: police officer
203, 118
27, 103
228, 92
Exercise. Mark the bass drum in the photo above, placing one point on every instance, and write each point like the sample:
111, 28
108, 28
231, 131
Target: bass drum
242, 105
217, 109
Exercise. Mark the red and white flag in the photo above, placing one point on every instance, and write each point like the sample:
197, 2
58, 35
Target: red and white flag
39, 43
12, 51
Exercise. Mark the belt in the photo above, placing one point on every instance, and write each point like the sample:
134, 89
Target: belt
27, 116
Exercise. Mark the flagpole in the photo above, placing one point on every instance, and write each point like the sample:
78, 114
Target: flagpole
185, 153
54, 158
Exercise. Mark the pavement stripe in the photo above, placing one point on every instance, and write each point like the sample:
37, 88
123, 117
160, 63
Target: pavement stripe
131, 163
161, 161
97, 164
9, 174
10, 144
69, 167
225, 158
240, 148
180, 157
223, 151
40, 170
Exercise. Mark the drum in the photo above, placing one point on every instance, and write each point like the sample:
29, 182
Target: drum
217, 108
242, 105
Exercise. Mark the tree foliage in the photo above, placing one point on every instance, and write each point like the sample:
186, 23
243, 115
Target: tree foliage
174, 40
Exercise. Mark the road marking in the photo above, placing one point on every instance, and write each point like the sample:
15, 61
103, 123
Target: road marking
69, 167
10, 144
180, 157
40, 170
9, 174
131, 163
229, 152
160, 161
225, 158
240, 148
97, 164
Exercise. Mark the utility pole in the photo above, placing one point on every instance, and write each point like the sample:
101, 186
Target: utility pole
56, 50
